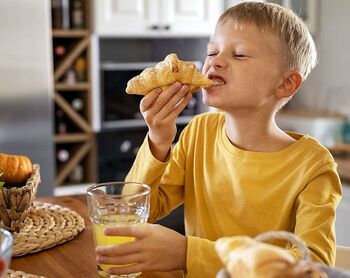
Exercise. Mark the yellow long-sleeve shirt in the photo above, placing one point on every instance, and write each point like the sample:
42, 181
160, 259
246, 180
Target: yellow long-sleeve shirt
228, 191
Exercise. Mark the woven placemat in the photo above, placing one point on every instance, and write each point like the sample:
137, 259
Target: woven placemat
20, 274
46, 225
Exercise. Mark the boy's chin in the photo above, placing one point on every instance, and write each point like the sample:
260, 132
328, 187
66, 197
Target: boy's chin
210, 103
207, 101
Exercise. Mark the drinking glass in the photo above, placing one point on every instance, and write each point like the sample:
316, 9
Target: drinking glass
116, 204
6, 243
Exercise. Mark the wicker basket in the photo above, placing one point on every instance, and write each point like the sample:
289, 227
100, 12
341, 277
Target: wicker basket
15, 202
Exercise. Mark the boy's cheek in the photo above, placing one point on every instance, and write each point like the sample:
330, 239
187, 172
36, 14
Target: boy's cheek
205, 67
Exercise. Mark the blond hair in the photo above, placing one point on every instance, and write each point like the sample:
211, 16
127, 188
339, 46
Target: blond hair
297, 47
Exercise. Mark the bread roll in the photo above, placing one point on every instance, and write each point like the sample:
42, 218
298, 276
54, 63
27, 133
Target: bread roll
245, 257
165, 73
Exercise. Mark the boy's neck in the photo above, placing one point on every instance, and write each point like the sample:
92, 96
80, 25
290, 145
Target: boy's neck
256, 133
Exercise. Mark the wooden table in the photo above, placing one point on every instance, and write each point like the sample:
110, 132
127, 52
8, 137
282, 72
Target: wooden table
75, 258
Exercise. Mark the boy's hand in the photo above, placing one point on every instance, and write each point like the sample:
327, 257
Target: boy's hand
160, 110
155, 248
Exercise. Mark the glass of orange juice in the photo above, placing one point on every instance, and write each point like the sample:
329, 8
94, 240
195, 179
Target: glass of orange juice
115, 204
6, 244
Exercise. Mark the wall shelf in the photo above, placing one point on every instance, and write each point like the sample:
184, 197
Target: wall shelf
70, 138
69, 33
72, 97
81, 86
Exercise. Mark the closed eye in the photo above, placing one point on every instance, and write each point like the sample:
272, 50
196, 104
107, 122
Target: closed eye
211, 54
239, 56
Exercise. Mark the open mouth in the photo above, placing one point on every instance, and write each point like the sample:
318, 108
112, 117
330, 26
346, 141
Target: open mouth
218, 80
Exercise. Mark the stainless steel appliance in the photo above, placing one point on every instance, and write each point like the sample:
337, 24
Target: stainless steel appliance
26, 84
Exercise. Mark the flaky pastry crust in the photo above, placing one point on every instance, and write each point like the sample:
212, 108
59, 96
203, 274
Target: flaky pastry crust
165, 73
245, 257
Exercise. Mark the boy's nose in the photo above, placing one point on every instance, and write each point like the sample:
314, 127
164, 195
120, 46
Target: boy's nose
218, 62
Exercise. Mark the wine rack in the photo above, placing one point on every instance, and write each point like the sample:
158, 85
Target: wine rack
74, 138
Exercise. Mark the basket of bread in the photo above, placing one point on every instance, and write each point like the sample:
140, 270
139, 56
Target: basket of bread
247, 257
19, 181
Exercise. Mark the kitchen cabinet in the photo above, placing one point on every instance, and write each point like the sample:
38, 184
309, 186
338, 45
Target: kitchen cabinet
155, 18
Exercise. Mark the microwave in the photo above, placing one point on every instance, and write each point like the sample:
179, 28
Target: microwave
121, 110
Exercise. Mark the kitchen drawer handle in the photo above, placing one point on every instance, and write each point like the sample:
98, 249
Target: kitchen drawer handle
158, 27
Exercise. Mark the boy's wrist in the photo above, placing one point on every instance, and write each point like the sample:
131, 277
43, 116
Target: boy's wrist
159, 151
182, 255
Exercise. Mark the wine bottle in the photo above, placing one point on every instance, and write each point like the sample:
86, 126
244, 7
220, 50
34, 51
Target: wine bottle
77, 104
70, 77
77, 15
63, 155
61, 126
80, 67
60, 50
56, 13
60, 14
76, 176
65, 14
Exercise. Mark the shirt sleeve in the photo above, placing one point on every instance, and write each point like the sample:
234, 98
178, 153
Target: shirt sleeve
315, 214
202, 259
166, 179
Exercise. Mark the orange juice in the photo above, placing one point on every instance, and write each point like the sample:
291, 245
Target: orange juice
112, 221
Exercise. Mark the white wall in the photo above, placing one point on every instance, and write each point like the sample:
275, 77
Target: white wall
328, 86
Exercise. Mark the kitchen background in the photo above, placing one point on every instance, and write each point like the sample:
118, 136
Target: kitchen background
64, 65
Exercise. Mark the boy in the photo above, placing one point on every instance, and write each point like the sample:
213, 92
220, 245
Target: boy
236, 171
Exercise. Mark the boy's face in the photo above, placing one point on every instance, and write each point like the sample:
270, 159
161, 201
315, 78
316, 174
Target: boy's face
247, 64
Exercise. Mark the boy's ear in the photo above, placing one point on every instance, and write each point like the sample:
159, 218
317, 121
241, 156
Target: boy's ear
289, 84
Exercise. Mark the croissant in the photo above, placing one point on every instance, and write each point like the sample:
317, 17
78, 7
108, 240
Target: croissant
245, 257
165, 73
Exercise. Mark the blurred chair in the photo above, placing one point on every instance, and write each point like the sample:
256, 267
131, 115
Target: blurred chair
342, 259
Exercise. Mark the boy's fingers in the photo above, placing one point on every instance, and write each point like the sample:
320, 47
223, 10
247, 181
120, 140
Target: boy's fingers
131, 231
148, 100
117, 249
166, 96
120, 260
179, 108
175, 101
135, 268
